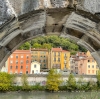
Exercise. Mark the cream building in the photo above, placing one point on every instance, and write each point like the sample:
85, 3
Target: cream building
92, 66
35, 67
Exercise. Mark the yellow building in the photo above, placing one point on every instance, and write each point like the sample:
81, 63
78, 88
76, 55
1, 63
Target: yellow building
92, 66
60, 58
56, 58
41, 56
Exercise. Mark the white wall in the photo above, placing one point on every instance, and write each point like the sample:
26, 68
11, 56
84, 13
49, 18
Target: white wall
35, 66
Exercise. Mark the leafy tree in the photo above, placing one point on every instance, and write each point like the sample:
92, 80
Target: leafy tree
25, 46
71, 82
25, 85
98, 78
6, 81
47, 46
53, 41
36, 45
53, 80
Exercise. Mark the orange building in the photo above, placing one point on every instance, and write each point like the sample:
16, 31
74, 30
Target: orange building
19, 62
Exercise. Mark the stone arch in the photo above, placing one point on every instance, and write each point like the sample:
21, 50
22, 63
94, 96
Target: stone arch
76, 24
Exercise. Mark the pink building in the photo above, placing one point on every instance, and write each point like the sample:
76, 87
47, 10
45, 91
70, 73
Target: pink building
83, 64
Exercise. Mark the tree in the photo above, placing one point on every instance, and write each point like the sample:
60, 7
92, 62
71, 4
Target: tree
6, 81
25, 46
98, 78
47, 46
71, 82
53, 41
53, 80
36, 45
25, 85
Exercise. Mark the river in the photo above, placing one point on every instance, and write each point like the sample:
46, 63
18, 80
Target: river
47, 95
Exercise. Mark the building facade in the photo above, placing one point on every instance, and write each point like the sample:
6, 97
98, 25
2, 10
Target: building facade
19, 62
35, 68
41, 56
60, 58
83, 64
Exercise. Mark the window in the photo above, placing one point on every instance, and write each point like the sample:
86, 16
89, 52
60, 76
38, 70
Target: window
54, 59
21, 56
65, 55
93, 71
26, 72
88, 66
65, 66
27, 62
54, 53
32, 71
21, 62
26, 67
16, 56
11, 61
10, 67
16, 62
58, 53
35, 66
20, 72
41, 65
11, 56
89, 71
21, 67
44, 61
16, 72
92, 66
16, 67
44, 65
58, 59
27, 57
88, 60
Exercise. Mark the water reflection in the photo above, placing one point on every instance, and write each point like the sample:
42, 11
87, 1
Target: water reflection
44, 95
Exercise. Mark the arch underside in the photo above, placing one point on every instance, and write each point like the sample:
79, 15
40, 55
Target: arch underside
80, 26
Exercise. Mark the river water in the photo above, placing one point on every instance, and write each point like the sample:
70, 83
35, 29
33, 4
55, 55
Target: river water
47, 95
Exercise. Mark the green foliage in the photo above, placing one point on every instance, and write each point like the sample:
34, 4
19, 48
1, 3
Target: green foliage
36, 45
6, 81
53, 80
47, 46
38, 87
25, 46
71, 83
98, 78
25, 85
52, 41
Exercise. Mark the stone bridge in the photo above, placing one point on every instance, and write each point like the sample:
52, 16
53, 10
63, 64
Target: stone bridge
21, 20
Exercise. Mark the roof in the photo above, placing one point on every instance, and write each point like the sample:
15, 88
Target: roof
21, 51
37, 49
59, 50
35, 62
